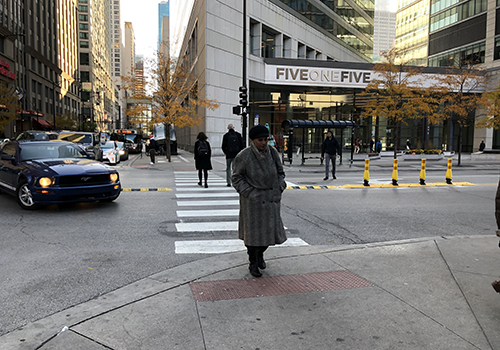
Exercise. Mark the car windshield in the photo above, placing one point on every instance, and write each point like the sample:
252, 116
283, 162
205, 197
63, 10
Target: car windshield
76, 138
34, 151
108, 145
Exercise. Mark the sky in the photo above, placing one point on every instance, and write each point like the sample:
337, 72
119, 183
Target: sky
144, 17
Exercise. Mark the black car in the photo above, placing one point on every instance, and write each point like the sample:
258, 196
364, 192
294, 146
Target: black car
49, 172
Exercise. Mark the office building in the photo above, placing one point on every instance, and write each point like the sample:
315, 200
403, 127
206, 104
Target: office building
163, 27
281, 36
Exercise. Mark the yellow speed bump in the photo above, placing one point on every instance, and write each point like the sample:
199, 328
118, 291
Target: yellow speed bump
146, 189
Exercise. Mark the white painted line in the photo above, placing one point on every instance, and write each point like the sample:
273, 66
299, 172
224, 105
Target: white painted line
183, 159
204, 213
207, 226
202, 189
195, 180
224, 246
206, 195
207, 203
194, 184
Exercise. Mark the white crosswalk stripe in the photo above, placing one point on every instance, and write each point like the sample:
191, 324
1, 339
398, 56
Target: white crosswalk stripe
217, 202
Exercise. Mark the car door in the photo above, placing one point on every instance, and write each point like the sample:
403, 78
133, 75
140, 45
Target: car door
8, 167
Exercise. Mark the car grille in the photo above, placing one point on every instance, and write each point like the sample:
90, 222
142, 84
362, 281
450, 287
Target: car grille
84, 180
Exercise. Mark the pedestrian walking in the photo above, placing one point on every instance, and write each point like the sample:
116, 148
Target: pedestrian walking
408, 144
330, 150
153, 147
378, 146
356, 145
202, 155
259, 179
232, 144
372, 143
482, 146
299, 145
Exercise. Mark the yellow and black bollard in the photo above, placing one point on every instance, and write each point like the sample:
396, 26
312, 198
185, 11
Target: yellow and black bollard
395, 173
422, 172
366, 175
448, 172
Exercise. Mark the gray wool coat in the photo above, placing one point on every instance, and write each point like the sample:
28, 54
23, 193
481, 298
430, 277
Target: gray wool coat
260, 180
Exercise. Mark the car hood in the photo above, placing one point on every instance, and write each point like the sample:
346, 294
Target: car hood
67, 167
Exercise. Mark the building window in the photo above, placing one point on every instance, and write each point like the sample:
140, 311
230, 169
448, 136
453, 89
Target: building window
83, 8
84, 58
497, 49
85, 76
84, 26
84, 44
83, 18
84, 35
268, 43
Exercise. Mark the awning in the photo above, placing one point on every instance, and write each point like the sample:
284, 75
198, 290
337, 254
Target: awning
317, 124
42, 123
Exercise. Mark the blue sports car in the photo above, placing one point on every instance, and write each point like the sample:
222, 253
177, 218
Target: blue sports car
49, 172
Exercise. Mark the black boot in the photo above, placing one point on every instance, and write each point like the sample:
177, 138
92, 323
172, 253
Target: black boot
260, 258
253, 257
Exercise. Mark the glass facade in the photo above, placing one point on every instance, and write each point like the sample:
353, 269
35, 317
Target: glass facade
412, 32
454, 14
355, 27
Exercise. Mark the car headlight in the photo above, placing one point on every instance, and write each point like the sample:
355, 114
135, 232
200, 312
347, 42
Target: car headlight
122, 152
46, 181
113, 177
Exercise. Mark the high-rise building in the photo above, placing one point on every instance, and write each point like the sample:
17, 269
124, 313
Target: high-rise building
384, 28
67, 38
98, 95
284, 40
128, 55
139, 76
116, 63
163, 27
412, 31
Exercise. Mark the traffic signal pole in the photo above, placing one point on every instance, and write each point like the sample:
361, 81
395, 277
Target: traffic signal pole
244, 85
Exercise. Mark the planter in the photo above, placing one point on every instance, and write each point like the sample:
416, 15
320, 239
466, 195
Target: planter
423, 156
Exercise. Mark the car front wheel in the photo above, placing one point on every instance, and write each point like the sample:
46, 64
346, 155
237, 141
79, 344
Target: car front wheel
24, 196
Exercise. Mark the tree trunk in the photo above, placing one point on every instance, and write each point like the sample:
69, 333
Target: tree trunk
459, 144
167, 146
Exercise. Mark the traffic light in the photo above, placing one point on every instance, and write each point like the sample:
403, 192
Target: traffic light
243, 96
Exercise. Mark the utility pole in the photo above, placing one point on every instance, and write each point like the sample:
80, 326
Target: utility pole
244, 98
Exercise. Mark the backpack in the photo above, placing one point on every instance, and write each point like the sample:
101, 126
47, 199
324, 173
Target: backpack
233, 144
202, 149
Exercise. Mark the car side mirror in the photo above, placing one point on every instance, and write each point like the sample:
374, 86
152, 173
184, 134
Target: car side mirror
7, 157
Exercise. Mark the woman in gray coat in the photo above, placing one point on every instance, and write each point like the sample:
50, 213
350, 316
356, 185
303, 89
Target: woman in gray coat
259, 178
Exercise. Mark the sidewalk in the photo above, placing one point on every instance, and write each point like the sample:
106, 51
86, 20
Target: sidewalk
419, 294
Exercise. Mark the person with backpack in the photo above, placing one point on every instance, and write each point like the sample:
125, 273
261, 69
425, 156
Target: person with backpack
202, 155
232, 144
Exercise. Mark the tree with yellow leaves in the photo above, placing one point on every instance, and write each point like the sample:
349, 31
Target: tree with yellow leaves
397, 94
9, 104
176, 95
460, 97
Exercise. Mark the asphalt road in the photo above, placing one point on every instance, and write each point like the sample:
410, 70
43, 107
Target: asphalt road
60, 256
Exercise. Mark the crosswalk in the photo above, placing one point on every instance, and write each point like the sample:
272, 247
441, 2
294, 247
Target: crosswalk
208, 210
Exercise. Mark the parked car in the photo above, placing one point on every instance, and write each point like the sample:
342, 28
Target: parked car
86, 140
107, 152
122, 150
50, 172
37, 135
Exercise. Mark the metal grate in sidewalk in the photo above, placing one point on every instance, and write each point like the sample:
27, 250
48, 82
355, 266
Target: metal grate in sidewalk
276, 285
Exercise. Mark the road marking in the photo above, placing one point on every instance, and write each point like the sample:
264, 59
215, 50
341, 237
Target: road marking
209, 189
207, 203
206, 195
207, 226
205, 213
225, 246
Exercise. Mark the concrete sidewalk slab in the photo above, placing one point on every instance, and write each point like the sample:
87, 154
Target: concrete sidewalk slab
430, 293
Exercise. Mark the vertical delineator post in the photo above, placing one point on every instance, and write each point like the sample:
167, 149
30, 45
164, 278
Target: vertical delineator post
422, 172
395, 173
448, 172
366, 174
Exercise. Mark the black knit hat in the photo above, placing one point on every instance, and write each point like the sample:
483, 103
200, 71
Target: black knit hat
258, 131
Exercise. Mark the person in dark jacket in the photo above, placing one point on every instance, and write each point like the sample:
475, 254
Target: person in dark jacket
259, 179
153, 147
332, 149
232, 144
202, 158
